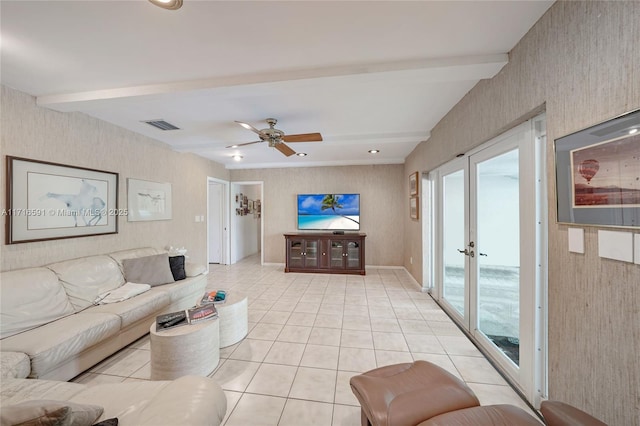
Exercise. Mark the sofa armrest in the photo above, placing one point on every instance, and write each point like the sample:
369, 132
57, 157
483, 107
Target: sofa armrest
14, 365
558, 413
194, 269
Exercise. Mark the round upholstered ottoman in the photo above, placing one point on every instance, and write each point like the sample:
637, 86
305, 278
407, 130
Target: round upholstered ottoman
185, 350
234, 319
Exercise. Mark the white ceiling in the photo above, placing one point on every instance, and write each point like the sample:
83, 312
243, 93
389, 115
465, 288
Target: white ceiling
365, 74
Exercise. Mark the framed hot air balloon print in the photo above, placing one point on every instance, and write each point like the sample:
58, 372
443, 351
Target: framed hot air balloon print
598, 174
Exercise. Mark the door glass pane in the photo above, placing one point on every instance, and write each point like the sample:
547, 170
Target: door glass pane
295, 254
312, 253
336, 254
498, 252
353, 251
453, 239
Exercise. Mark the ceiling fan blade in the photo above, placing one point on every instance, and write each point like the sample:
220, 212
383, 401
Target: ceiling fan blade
249, 127
242, 144
283, 148
304, 137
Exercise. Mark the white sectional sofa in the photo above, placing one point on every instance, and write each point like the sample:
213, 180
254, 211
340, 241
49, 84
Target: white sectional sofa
48, 313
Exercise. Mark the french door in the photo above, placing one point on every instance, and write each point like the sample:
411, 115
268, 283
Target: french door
490, 250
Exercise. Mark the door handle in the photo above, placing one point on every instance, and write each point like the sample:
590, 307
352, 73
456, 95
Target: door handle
467, 252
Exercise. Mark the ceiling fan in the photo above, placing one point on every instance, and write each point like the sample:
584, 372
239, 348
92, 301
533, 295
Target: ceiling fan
276, 138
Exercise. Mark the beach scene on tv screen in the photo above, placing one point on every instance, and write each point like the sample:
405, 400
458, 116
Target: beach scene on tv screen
329, 211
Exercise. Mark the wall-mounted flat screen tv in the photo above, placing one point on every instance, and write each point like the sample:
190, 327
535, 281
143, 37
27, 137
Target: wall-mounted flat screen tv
324, 212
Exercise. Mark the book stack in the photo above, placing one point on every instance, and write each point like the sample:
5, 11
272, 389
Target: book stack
201, 313
188, 316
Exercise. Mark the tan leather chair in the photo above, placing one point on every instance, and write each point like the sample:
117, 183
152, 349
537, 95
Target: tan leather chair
558, 413
407, 394
423, 394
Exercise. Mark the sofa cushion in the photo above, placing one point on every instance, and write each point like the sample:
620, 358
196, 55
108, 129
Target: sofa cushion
30, 298
50, 412
14, 391
138, 307
85, 278
14, 365
184, 289
57, 342
176, 263
153, 270
188, 400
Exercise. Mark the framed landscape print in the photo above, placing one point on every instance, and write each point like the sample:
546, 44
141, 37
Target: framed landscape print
148, 200
48, 201
598, 174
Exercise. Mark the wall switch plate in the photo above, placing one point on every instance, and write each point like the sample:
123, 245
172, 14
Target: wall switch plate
615, 245
576, 240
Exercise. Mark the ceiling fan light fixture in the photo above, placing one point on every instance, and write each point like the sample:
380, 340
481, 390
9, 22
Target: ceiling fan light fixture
237, 157
301, 154
168, 4
374, 151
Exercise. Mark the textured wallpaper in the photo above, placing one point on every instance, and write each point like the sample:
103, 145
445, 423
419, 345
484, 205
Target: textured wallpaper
581, 64
381, 205
79, 140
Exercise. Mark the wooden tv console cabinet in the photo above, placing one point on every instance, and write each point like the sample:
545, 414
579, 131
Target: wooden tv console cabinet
325, 253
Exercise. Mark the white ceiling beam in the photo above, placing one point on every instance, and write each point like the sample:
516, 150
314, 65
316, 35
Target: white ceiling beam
442, 69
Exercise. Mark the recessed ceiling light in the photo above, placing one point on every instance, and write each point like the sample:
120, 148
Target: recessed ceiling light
237, 157
168, 4
633, 131
374, 151
301, 154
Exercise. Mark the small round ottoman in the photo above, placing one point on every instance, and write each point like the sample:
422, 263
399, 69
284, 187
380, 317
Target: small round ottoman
185, 350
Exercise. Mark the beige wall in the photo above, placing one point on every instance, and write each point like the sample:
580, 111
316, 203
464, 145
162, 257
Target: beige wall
581, 59
382, 205
79, 140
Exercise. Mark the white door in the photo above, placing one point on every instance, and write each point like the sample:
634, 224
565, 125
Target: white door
216, 222
490, 245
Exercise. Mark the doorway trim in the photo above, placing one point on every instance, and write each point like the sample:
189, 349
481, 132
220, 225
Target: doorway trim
225, 231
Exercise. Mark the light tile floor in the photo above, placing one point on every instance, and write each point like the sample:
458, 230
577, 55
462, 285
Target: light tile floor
309, 333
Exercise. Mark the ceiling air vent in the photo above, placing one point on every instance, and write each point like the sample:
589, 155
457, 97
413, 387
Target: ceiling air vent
161, 124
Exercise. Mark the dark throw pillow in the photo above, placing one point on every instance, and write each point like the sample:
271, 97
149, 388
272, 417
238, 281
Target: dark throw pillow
176, 263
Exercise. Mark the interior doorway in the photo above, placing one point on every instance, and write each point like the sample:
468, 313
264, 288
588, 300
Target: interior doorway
218, 236
247, 199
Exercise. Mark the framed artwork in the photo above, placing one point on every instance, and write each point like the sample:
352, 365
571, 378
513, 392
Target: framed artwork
598, 174
414, 209
49, 201
413, 184
148, 200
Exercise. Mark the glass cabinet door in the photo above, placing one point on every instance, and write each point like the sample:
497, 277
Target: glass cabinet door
295, 254
337, 254
311, 253
353, 255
